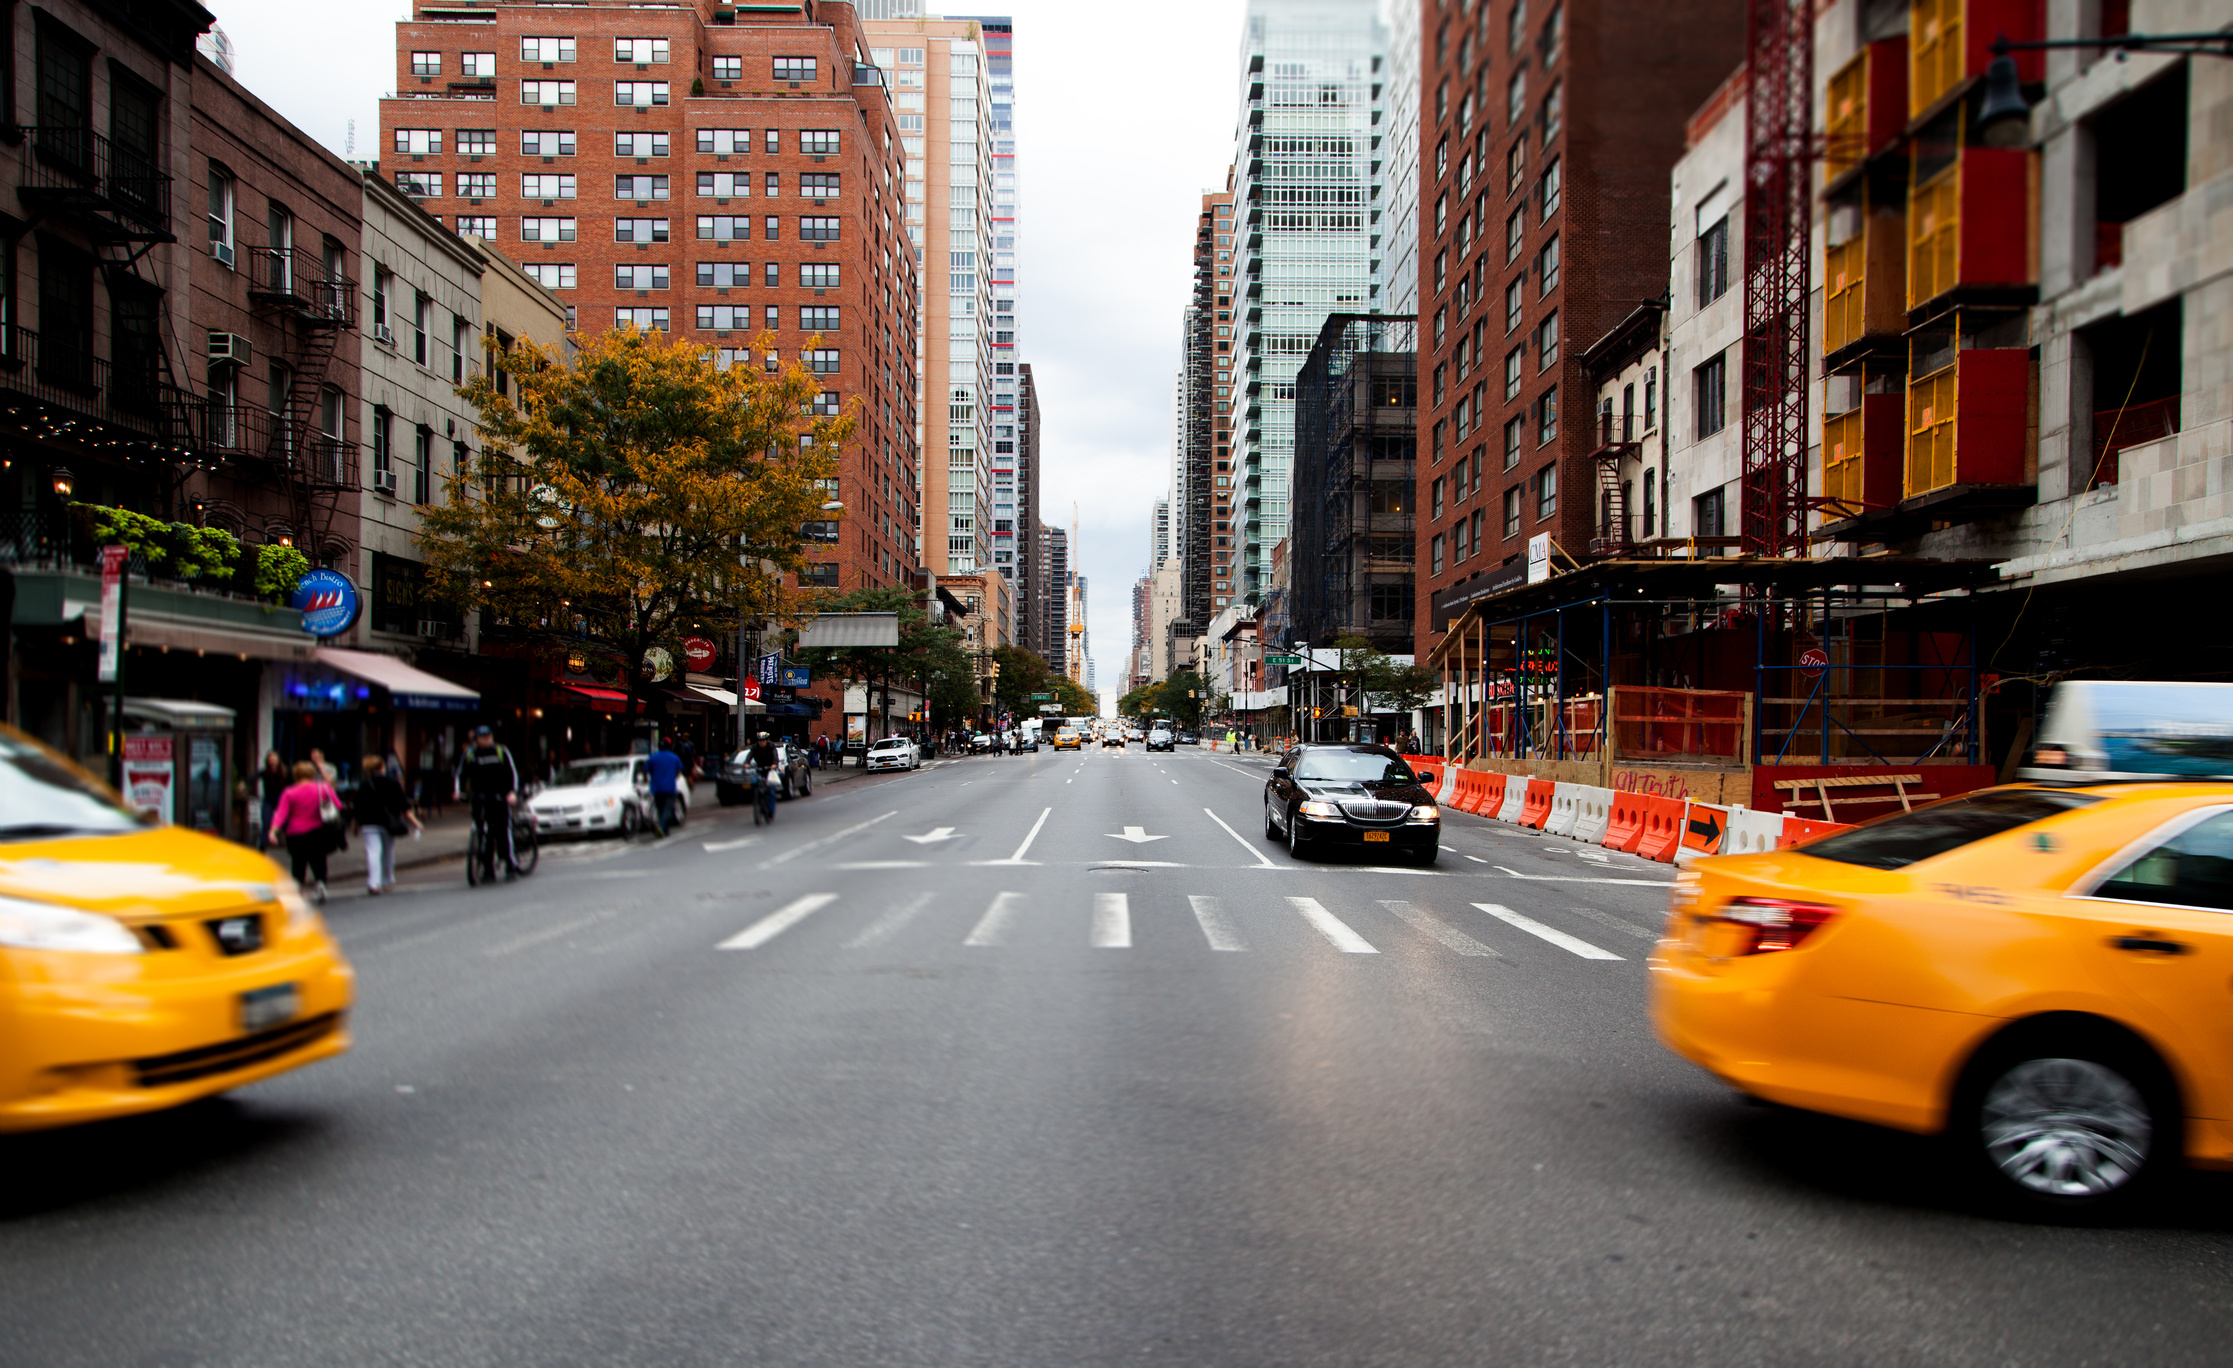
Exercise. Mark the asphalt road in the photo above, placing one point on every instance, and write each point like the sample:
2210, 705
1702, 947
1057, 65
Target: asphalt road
942, 1070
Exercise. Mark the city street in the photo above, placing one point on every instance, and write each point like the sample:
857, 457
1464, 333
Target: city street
1032, 1061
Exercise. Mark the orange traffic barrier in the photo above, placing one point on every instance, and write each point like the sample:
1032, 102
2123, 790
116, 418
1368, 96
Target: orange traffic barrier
1538, 805
1704, 824
1663, 828
1492, 793
1626, 825
1429, 765
1470, 789
1797, 829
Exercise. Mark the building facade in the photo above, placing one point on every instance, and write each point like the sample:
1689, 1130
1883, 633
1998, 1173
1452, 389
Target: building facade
1354, 531
1029, 555
735, 183
1205, 542
1395, 223
1548, 134
1311, 101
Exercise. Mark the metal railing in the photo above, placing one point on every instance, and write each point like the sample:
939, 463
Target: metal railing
297, 276
80, 166
70, 378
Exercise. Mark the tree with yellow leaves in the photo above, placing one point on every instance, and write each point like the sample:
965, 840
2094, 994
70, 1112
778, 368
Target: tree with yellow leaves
632, 492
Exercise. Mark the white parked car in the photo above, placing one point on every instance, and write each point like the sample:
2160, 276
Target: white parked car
895, 752
610, 795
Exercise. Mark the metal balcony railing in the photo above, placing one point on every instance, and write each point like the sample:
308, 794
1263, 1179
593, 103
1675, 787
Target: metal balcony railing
68, 377
79, 168
296, 277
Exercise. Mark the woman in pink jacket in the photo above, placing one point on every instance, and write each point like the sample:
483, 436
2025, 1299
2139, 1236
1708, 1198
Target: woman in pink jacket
309, 839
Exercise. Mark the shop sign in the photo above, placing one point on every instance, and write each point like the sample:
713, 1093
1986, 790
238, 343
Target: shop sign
1539, 558
577, 661
148, 771
749, 688
659, 663
112, 608
328, 601
699, 652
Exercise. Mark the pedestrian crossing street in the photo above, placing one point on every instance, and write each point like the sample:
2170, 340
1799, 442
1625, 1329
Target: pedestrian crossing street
1124, 921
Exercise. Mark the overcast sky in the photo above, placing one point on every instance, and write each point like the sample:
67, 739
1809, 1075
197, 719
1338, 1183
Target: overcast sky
1124, 115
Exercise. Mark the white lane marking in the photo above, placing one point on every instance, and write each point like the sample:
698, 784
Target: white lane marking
993, 926
833, 838
1476, 859
1550, 933
1112, 922
1576, 878
932, 837
883, 864
1136, 864
1606, 919
1017, 858
883, 927
1332, 927
550, 933
1442, 931
1217, 928
716, 847
1174, 781
1236, 769
1261, 862
777, 922
1135, 835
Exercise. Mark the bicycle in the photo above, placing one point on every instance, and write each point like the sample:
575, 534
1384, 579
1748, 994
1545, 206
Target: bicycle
526, 850
763, 799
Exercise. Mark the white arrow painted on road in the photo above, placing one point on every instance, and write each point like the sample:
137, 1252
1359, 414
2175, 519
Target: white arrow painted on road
1136, 835
935, 835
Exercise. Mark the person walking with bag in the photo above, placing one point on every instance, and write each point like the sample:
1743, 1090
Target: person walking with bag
308, 817
383, 814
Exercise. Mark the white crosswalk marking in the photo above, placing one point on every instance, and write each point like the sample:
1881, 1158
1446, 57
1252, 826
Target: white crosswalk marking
1332, 927
1112, 922
777, 922
992, 928
1550, 933
882, 929
1217, 928
1449, 935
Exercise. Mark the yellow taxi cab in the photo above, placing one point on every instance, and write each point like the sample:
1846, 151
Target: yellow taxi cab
144, 966
1066, 739
2042, 974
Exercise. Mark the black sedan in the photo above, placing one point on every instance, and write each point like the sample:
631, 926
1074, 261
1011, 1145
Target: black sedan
1353, 798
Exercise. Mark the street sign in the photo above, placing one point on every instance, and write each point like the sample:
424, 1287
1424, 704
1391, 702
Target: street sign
1814, 662
1041, 698
1050, 707
1283, 660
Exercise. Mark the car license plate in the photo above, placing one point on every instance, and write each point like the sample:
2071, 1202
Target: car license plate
1376, 835
262, 1007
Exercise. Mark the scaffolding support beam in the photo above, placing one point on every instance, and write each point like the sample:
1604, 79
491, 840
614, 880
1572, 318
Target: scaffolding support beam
1779, 121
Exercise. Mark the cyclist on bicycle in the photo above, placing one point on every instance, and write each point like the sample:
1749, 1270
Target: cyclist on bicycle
763, 757
488, 778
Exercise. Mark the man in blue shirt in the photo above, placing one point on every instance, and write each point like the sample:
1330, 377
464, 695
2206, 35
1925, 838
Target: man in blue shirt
666, 768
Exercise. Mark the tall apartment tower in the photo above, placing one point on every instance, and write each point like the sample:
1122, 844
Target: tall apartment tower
999, 249
1159, 535
1311, 93
942, 101
1548, 134
1029, 556
675, 169
1202, 509
1395, 223
1055, 594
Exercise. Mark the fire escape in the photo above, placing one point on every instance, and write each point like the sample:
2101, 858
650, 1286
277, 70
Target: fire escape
1779, 206
1613, 535
302, 446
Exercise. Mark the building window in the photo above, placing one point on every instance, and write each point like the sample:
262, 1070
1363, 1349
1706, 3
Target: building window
481, 65
546, 142
422, 319
639, 230
725, 227
550, 93
1511, 512
1515, 168
1546, 417
420, 184
1515, 299
1651, 489
1651, 398
1546, 492
1515, 98
642, 51
639, 94
1515, 233
1713, 262
1546, 342
1550, 189
818, 318
640, 187
819, 184
794, 68
1436, 499
728, 68
546, 49
1546, 266
418, 142
477, 225
647, 319
725, 142
422, 471
1515, 436
649, 276
1706, 515
426, 64
1711, 385
1515, 370
724, 275
818, 142
546, 230
1434, 555
476, 142
640, 144
818, 229
383, 440
1553, 111
822, 360
546, 187
457, 350
725, 317
477, 185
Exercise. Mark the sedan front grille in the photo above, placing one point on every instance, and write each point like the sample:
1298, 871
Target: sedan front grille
1373, 810
187, 1065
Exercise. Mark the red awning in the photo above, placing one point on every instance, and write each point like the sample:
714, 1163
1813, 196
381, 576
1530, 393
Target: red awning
603, 700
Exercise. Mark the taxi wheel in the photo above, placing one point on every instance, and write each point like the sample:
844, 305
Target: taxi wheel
2070, 1122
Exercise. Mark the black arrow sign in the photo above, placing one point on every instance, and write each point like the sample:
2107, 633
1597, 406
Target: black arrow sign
1709, 829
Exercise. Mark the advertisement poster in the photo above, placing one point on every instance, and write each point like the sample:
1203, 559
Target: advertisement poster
112, 606
148, 771
205, 783
856, 729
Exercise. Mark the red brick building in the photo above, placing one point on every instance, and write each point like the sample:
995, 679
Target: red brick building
1549, 130
727, 174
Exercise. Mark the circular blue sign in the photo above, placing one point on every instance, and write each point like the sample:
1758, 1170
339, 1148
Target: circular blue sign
328, 601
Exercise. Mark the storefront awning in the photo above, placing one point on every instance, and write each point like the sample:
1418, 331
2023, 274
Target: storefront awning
722, 696
408, 687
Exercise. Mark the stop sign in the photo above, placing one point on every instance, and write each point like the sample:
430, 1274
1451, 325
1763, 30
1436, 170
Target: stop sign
749, 688
1813, 662
698, 651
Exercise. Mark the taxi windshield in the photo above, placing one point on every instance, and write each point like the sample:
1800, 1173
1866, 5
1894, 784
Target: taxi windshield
42, 797
1355, 766
1897, 842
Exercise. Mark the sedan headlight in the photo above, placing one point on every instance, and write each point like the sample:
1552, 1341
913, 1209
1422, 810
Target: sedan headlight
1319, 807
43, 926
1425, 812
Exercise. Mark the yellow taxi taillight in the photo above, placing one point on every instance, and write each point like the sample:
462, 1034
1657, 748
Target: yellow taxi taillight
1769, 924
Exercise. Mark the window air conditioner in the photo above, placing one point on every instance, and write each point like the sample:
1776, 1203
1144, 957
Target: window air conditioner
223, 251
381, 332
384, 482
227, 347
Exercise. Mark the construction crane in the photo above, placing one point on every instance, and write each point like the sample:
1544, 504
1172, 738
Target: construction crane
1779, 203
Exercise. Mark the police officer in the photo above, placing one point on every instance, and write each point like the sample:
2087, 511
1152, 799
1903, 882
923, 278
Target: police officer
489, 780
